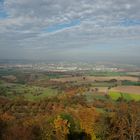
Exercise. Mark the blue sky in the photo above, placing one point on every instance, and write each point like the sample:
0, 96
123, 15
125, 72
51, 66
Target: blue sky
130, 22
62, 26
60, 29
3, 13
1, 1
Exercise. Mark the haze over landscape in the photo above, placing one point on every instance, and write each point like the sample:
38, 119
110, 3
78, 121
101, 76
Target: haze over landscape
86, 30
69, 69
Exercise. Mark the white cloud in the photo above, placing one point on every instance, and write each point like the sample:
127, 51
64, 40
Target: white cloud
99, 22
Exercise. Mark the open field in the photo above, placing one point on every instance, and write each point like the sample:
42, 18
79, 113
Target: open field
127, 89
93, 78
26, 87
13, 91
127, 92
133, 73
107, 73
126, 96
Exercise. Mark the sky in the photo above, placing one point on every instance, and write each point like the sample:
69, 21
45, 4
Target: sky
102, 30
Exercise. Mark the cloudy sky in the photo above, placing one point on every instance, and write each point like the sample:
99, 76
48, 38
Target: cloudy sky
70, 29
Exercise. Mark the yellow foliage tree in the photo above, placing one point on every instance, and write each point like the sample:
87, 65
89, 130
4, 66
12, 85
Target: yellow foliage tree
61, 128
87, 118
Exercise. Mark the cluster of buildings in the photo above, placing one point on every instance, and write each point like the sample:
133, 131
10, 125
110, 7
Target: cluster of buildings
61, 67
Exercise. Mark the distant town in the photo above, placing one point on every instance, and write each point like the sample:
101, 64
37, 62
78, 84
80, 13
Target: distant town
70, 67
